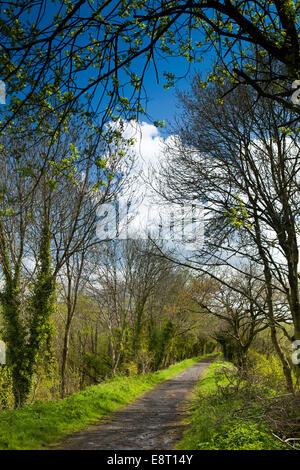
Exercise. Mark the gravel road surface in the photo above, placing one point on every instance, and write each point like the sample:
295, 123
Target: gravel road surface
153, 421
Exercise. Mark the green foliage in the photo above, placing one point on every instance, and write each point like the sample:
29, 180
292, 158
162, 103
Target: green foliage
6, 389
229, 346
161, 342
96, 366
130, 368
268, 370
241, 436
45, 384
238, 215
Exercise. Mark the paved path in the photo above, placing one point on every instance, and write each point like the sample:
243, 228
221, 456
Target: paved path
153, 421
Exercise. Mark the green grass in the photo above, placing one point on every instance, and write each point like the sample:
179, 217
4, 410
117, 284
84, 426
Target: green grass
212, 424
44, 423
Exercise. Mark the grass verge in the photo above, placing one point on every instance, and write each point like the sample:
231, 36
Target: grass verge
215, 422
44, 423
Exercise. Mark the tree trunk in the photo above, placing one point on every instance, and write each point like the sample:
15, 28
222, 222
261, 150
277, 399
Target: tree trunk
285, 365
268, 279
65, 358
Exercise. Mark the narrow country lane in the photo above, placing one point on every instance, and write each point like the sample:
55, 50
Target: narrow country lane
153, 421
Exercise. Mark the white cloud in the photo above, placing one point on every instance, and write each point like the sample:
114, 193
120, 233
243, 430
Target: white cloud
149, 142
148, 149
147, 210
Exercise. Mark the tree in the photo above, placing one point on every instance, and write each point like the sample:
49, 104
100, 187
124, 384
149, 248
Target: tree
74, 241
240, 312
125, 274
234, 158
108, 285
47, 216
77, 50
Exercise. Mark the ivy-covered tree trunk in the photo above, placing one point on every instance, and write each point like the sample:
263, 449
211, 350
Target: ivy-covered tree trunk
15, 332
26, 340
15, 338
42, 305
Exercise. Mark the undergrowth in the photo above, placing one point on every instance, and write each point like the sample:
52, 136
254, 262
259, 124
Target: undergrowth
233, 413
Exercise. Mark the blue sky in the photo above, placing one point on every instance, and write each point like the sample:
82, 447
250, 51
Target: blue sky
161, 103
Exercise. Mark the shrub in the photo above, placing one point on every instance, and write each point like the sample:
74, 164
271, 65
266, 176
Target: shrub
6, 392
268, 370
242, 436
129, 368
230, 412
